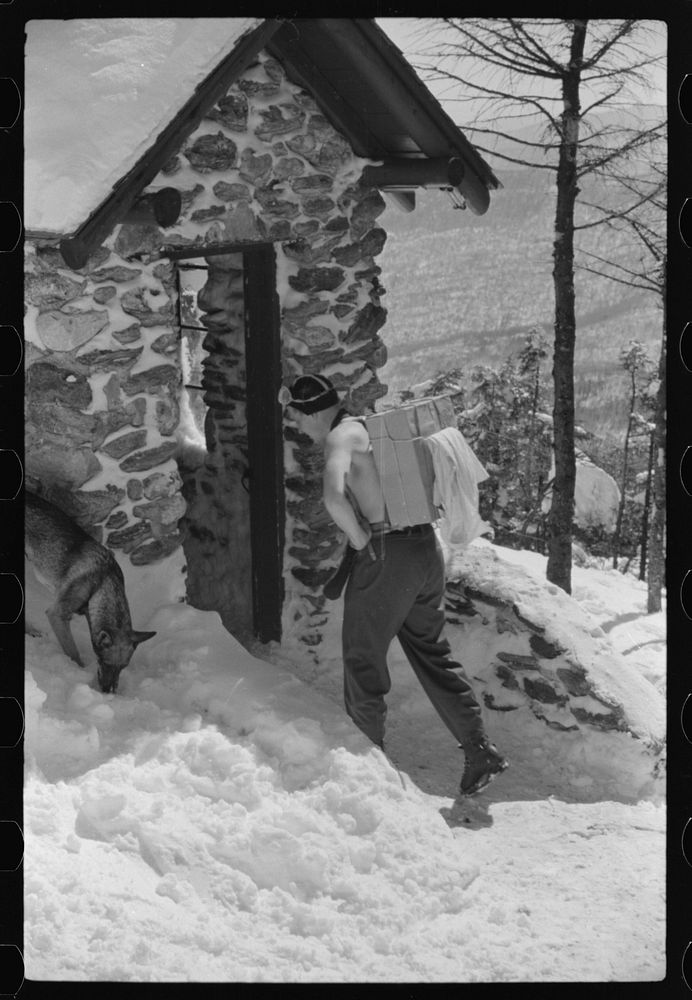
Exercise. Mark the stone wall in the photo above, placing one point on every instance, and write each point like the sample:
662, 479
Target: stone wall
102, 391
103, 372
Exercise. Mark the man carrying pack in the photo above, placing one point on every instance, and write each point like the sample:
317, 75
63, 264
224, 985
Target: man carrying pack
395, 587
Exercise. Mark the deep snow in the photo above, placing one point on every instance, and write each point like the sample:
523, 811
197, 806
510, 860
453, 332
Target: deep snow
221, 820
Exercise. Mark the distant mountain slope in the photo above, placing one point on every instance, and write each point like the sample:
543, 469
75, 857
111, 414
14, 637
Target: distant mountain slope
464, 289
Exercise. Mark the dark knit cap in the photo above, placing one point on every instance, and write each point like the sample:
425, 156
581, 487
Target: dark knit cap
312, 393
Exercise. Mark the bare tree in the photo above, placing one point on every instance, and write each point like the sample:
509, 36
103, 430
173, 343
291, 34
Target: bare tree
526, 71
642, 265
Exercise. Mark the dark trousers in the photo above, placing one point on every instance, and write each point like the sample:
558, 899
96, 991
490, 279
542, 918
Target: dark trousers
400, 594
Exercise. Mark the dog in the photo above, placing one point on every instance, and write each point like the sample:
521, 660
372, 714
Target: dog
87, 580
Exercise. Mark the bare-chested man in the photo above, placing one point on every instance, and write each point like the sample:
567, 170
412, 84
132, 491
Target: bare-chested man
395, 587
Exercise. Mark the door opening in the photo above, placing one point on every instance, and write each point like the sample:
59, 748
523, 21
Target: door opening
233, 478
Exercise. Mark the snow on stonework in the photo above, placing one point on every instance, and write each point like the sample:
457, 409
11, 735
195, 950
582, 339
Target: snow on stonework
139, 71
220, 818
546, 667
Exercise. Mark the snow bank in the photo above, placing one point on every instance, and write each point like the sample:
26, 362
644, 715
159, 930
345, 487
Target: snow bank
564, 622
220, 820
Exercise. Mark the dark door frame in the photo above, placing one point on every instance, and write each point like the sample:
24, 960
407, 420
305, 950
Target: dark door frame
264, 426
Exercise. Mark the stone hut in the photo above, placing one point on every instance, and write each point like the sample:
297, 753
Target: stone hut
202, 226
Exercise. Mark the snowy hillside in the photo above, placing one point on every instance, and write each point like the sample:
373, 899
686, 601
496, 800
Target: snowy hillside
218, 800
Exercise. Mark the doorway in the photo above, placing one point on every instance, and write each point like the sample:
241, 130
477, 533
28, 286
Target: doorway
233, 469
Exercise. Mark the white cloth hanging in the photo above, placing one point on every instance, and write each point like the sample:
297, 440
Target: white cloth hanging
457, 475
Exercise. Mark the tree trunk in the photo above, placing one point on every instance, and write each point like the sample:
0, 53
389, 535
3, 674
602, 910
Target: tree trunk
656, 574
625, 470
647, 510
560, 519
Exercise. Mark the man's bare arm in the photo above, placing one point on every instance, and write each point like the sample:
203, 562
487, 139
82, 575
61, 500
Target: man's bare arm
339, 449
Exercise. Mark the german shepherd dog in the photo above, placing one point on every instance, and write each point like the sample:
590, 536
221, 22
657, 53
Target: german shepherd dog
86, 580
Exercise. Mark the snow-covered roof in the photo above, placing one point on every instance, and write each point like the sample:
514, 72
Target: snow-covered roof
97, 93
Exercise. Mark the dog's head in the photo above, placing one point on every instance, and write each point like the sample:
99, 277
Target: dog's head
114, 651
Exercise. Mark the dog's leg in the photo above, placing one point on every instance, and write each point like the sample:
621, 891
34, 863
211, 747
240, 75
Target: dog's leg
60, 623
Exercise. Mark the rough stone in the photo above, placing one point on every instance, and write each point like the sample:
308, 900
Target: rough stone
129, 334
272, 204
303, 145
304, 311
368, 322
167, 343
151, 379
171, 166
254, 88
363, 397
274, 70
533, 626
231, 111
156, 550
118, 520
279, 230
320, 206
348, 255
150, 458
308, 228
309, 253
133, 240
607, 722
231, 192
365, 212
518, 661
125, 444
255, 168
288, 167
540, 690
241, 224
373, 242
112, 420
134, 303
135, 489
58, 463
507, 677
189, 195
341, 310
49, 383
334, 154
117, 274
317, 279
121, 360
49, 290
489, 700
574, 680
129, 538
541, 647
160, 484
338, 224
165, 272
316, 337
309, 577
313, 184
205, 214
274, 122
212, 152
373, 352
59, 331
75, 427
167, 415
165, 510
